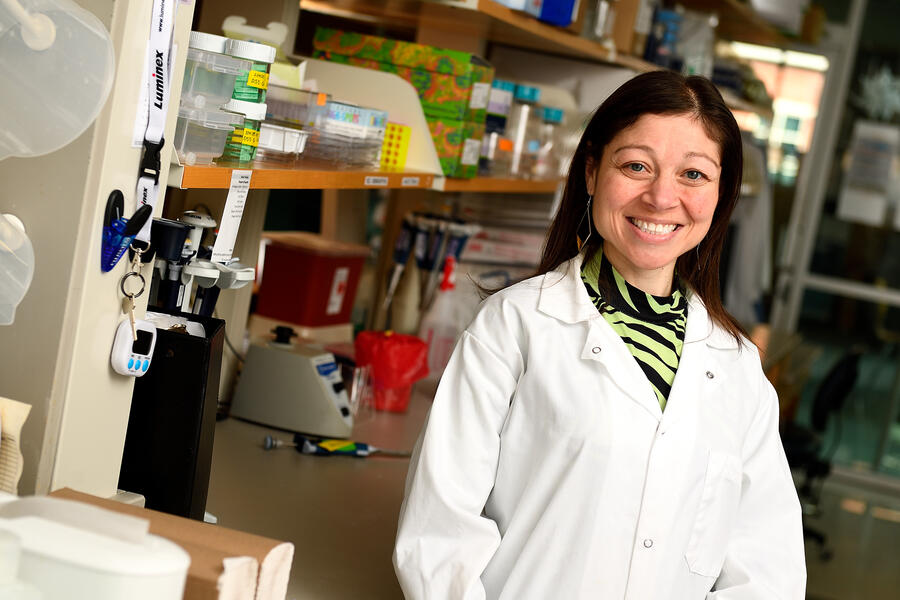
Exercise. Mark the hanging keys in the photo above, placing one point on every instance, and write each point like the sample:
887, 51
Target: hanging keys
128, 309
128, 301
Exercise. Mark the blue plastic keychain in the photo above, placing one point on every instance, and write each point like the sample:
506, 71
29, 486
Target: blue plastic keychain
118, 232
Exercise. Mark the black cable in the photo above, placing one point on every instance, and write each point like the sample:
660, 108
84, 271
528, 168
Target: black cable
228, 343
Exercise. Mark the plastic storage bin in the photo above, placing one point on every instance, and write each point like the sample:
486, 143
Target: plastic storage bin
242, 143
296, 106
209, 74
280, 142
309, 280
200, 134
251, 86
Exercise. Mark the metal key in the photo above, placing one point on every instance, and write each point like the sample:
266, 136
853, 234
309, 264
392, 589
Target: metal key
128, 308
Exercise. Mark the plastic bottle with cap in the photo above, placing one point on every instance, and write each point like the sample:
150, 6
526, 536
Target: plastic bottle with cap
242, 143
548, 158
252, 85
523, 128
12, 588
493, 157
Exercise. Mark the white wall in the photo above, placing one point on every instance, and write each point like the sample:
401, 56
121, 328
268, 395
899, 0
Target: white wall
56, 355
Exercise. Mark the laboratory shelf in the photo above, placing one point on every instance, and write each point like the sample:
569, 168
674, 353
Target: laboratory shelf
304, 177
738, 21
477, 18
735, 102
503, 25
498, 185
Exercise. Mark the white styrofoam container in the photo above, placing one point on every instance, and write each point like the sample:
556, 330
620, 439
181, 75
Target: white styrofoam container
79, 552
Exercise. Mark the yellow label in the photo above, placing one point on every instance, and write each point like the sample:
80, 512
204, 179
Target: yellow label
332, 445
258, 79
251, 137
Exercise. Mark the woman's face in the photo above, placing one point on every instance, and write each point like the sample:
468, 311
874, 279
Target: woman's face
655, 190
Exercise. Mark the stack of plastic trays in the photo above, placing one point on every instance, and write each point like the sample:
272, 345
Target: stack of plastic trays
348, 135
296, 106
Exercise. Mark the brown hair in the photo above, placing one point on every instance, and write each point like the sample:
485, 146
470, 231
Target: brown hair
657, 93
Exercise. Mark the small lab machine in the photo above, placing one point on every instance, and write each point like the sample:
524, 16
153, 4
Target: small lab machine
297, 387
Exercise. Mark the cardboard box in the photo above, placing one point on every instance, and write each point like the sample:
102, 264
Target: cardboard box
458, 145
450, 83
623, 27
224, 562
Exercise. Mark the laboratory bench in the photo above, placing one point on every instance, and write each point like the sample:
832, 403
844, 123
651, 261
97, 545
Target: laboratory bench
340, 512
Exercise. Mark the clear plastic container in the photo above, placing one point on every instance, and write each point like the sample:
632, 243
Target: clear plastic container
296, 106
200, 134
209, 73
241, 145
523, 128
547, 165
348, 134
280, 142
251, 86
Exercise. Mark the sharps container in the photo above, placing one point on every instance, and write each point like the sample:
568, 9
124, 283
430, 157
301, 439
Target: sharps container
200, 134
251, 86
241, 145
209, 73
309, 280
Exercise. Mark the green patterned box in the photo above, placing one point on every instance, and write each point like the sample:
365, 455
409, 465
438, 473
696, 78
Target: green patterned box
443, 78
458, 145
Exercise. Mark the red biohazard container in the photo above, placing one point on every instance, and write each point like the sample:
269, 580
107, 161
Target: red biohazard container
309, 280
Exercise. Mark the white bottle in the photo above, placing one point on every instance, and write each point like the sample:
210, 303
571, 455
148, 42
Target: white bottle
440, 326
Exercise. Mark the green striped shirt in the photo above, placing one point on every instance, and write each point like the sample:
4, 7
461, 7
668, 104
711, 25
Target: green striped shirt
651, 326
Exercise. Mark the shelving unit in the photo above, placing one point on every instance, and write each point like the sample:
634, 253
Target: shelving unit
498, 185
739, 22
304, 177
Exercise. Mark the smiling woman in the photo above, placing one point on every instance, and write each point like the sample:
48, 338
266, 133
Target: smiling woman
604, 429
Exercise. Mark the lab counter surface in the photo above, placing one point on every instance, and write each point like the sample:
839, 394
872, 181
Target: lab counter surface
340, 512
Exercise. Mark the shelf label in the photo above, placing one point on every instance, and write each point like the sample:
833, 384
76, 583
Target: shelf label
409, 182
480, 94
258, 79
471, 152
231, 216
373, 181
321, 99
250, 137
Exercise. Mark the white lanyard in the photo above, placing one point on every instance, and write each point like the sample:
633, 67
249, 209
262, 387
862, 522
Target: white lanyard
162, 23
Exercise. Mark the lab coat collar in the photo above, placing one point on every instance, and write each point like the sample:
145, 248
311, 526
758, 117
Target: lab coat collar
563, 297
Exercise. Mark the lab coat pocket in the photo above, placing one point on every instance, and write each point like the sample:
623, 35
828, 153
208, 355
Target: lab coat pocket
716, 513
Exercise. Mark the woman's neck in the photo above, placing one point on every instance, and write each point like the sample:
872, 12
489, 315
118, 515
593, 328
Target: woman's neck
656, 282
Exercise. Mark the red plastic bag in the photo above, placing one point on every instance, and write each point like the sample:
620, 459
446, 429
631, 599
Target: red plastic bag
397, 361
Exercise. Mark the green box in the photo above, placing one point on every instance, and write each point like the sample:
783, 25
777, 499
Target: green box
444, 79
458, 145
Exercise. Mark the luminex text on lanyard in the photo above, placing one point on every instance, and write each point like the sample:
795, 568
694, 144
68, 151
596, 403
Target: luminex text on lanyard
158, 87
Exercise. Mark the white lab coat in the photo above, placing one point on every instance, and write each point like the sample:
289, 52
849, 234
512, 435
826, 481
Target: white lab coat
547, 469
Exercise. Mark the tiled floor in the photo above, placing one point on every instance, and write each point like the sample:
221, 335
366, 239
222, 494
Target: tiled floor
341, 515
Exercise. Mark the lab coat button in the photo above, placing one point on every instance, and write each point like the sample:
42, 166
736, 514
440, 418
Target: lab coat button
596, 349
709, 375
648, 543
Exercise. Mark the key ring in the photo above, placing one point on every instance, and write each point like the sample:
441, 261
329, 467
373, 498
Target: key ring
125, 278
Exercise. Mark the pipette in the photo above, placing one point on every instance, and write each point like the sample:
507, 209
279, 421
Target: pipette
329, 447
402, 248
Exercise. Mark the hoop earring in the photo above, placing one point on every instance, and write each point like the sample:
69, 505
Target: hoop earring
587, 213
